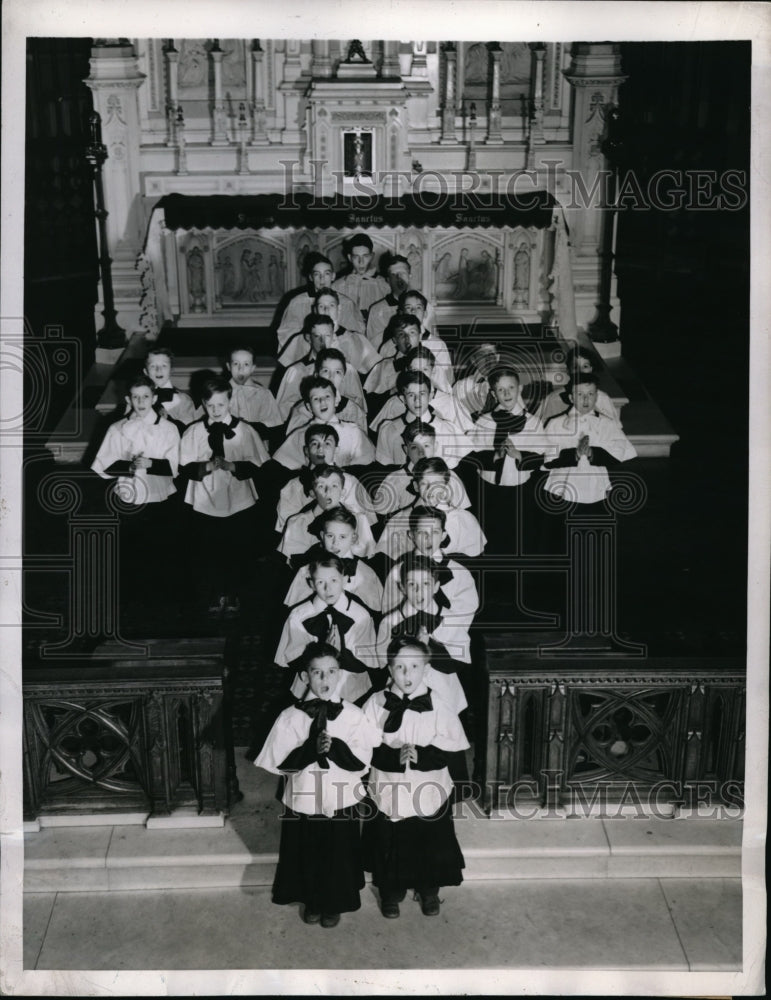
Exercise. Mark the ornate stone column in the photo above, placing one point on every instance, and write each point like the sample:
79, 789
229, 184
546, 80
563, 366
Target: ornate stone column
494, 137
172, 98
114, 80
390, 66
448, 108
419, 59
260, 137
219, 114
322, 64
595, 75
292, 130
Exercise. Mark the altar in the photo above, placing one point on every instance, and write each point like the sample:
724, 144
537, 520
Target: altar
230, 260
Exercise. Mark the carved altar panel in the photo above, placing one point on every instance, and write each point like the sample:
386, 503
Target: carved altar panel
411, 243
465, 267
248, 270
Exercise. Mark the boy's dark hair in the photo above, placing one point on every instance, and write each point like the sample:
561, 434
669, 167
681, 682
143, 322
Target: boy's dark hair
407, 377
435, 464
315, 651
322, 471
577, 352
421, 512
311, 382
585, 378
325, 562
316, 319
312, 259
389, 259
330, 354
213, 385
339, 514
396, 645
495, 376
415, 563
240, 347
420, 353
412, 293
326, 291
416, 429
400, 321
159, 349
143, 381
358, 240
318, 429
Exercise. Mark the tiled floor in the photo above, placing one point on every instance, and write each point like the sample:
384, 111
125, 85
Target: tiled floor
671, 924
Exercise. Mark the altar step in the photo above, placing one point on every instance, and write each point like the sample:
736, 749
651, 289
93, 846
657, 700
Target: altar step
74, 439
244, 851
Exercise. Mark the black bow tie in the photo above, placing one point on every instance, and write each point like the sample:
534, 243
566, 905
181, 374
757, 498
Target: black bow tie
321, 625
321, 711
400, 363
413, 624
165, 395
505, 423
218, 432
489, 404
397, 706
350, 563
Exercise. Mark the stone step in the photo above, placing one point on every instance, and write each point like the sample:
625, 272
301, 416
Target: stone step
244, 851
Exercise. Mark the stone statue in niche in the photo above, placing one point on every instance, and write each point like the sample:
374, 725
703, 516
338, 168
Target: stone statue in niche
275, 277
356, 52
415, 259
193, 63
521, 286
357, 154
196, 283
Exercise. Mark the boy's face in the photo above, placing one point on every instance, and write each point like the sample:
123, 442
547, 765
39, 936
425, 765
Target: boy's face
486, 358
414, 307
328, 584
405, 338
585, 397
320, 450
419, 588
422, 446
322, 275
506, 392
322, 677
328, 490
218, 406
322, 335
326, 306
433, 489
158, 368
241, 366
141, 399
360, 258
338, 538
427, 535
334, 370
416, 398
321, 403
583, 365
407, 669
399, 278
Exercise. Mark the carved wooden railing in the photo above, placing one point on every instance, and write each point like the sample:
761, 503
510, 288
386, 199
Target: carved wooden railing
127, 735
646, 733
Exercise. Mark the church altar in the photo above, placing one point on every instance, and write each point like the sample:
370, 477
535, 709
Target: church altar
230, 260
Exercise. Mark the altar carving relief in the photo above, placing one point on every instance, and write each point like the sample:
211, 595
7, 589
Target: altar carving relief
466, 270
248, 271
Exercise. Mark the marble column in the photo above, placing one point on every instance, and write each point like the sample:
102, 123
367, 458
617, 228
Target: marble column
419, 59
260, 137
291, 89
172, 97
494, 137
322, 64
448, 107
390, 67
219, 114
114, 80
595, 75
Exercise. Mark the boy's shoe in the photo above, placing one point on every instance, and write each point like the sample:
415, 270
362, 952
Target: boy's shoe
389, 908
330, 919
429, 903
311, 918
